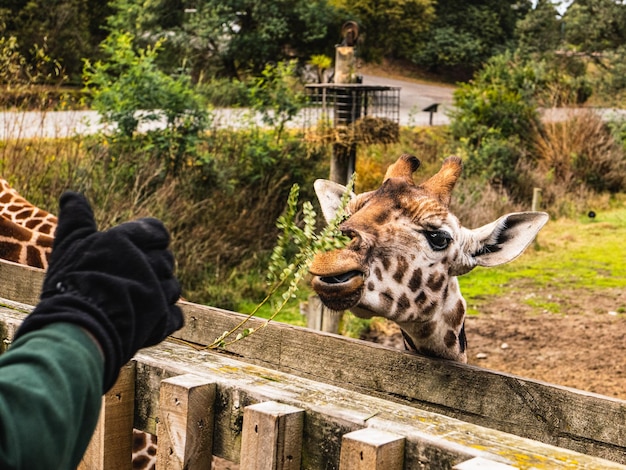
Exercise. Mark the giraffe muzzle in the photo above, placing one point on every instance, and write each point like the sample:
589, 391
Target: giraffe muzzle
339, 291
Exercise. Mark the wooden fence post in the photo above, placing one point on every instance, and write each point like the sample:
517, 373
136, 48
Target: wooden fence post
371, 449
536, 204
272, 437
320, 318
185, 427
111, 445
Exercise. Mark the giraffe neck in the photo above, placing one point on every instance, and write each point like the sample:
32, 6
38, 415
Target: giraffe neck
21, 212
438, 329
24, 246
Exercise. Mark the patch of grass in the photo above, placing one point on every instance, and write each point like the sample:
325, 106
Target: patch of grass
289, 314
543, 304
587, 253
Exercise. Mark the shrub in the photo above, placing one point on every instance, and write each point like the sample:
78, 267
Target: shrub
582, 150
494, 113
128, 89
33, 83
278, 95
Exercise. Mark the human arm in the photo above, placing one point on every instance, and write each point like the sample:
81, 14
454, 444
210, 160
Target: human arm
110, 293
50, 396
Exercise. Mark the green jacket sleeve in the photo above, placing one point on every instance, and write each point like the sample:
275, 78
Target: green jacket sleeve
50, 396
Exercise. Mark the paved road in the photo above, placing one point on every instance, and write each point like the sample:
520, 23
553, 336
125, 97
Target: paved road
414, 97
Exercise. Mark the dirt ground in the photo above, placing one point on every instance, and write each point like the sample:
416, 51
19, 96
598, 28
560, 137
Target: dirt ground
584, 349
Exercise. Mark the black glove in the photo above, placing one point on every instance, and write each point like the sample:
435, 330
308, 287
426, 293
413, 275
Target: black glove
119, 284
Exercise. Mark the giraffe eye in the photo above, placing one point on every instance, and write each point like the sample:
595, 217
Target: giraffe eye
438, 239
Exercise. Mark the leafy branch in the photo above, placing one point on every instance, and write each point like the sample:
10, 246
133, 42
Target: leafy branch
292, 256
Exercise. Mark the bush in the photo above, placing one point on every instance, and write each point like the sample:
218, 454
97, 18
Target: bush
128, 89
278, 95
581, 151
224, 92
495, 112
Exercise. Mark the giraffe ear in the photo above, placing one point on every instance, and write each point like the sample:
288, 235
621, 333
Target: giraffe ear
505, 239
329, 194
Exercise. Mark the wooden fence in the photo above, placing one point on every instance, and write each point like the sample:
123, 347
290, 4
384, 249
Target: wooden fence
287, 397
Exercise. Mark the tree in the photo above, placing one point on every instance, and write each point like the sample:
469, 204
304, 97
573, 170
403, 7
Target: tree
540, 31
495, 113
595, 30
129, 89
388, 28
69, 30
465, 34
593, 26
230, 37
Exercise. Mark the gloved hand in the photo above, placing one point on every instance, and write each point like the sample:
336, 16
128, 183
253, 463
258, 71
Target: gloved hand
118, 284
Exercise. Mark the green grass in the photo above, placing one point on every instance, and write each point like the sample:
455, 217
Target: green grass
289, 314
573, 254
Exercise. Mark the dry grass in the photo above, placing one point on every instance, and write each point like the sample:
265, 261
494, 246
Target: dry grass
580, 150
366, 131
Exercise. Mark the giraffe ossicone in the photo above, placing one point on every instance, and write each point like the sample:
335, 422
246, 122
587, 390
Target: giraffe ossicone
406, 251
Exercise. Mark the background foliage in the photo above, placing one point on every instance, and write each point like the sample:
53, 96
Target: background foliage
221, 188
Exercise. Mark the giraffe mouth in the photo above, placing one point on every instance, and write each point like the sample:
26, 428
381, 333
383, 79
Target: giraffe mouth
339, 291
340, 278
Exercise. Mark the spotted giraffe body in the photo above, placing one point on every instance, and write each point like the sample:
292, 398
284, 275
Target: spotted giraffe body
15, 208
405, 254
26, 237
26, 232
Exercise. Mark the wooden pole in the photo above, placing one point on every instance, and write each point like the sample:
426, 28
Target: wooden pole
111, 445
371, 449
536, 206
272, 437
320, 318
185, 429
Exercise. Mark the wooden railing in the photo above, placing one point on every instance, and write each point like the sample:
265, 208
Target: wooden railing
287, 397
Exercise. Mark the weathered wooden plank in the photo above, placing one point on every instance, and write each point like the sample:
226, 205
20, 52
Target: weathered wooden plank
185, 428
371, 449
432, 440
271, 437
110, 447
20, 283
12, 314
556, 415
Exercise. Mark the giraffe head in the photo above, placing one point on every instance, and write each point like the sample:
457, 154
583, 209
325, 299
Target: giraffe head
405, 252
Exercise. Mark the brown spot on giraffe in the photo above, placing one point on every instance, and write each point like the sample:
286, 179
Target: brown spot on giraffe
435, 281
450, 339
416, 280
401, 269
456, 315
426, 329
408, 249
